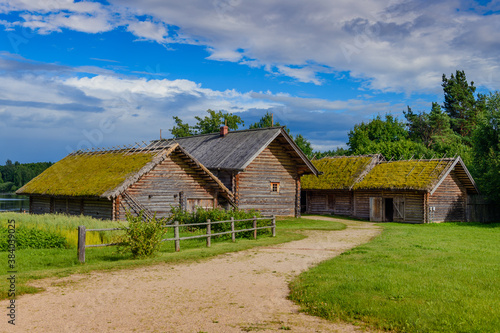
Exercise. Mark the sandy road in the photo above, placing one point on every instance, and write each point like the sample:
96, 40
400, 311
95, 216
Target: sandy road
236, 292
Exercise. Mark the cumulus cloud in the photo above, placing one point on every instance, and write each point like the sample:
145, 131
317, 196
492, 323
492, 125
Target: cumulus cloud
400, 46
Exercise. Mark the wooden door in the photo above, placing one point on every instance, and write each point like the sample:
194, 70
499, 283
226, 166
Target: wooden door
376, 209
399, 209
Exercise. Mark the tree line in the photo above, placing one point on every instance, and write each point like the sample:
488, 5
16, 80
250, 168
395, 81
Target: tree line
14, 175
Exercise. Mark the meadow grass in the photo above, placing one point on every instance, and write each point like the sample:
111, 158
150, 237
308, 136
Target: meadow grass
412, 278
32, 264
66, 226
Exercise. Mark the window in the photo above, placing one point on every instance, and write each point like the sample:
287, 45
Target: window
275, 187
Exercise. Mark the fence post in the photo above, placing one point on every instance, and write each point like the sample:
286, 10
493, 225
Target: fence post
255, 227
81, 243
273, 224
176, 237
209, 231
233, 234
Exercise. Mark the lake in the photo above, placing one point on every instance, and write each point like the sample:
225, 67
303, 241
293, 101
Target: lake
14, 202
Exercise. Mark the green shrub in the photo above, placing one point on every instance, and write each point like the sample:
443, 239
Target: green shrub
29, 238
201, 215
143, 239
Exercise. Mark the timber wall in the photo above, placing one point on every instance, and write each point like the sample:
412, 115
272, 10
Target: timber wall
98, 208
253, 186
449, 200
338, 202
171, 183
410, 205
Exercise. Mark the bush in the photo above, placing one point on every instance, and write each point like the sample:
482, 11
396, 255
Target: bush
143, 239
201, 215
28, 238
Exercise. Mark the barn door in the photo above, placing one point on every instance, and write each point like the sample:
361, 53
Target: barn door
376, 209
399, 208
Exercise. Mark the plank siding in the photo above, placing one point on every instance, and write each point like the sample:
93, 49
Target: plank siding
449, 200
273, 164
159, 190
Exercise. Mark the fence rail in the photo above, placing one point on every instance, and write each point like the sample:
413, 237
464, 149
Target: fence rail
82, 233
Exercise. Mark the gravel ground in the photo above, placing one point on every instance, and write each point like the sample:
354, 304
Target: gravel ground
236, 292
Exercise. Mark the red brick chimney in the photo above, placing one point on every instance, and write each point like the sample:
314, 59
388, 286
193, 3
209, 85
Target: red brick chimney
224, 130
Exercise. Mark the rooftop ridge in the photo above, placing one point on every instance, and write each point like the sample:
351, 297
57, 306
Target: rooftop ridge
217, 133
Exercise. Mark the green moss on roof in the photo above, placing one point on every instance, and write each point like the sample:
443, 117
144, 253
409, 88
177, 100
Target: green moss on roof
416, 175
87, 175
338, 172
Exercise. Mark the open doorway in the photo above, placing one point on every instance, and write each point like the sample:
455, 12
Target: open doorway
389, 209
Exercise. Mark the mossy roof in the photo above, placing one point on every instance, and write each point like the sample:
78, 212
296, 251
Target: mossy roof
87, 174
338, 172
414, 175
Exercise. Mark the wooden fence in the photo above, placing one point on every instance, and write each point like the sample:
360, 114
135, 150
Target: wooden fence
480, 210
82, 231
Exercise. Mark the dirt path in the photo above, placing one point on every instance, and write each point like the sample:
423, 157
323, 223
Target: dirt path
244, 291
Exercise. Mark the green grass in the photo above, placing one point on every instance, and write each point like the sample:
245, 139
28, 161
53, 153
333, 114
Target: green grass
32, 264
412, 278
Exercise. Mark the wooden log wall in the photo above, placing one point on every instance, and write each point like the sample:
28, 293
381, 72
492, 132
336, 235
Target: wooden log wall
274, 164
449, 200
159, 190
410, 203
95, 207
98, 208
338, 202
40, 204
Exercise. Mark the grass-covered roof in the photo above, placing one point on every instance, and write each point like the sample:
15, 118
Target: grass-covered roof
87, 174
338, 172
415, 175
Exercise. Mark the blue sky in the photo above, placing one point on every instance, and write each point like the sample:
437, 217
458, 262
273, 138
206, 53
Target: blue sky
75, 74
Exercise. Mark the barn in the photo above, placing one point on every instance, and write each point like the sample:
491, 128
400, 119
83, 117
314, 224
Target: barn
261, 167
250, 169
332, 191
415, 191
106, 184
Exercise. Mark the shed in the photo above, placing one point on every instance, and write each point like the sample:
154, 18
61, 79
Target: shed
368, 187
106, 183
261, 167
417, 191
331, 192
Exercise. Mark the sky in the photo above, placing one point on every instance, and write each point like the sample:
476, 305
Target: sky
81, 74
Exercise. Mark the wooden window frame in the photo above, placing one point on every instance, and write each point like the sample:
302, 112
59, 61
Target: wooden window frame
275, 187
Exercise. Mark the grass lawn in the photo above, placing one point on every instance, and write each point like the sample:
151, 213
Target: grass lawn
34, 264
412, 278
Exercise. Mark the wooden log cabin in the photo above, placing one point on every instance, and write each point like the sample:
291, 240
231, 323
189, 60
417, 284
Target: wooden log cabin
251, 169
262, 168
331, 192
107, 184
417, 191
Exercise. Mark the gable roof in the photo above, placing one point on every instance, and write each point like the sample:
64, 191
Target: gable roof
425, 175
339, 172
237, 149
109, 173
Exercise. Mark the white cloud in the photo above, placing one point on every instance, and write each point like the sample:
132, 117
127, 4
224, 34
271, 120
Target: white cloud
400, 46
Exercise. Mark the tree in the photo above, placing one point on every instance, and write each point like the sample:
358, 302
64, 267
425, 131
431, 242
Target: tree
376, 131
181, 129
206, 125
486, 148
304, 145
265, 121
460, 103
213, 122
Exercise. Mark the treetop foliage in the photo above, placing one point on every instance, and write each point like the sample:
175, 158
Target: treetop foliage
208, 124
